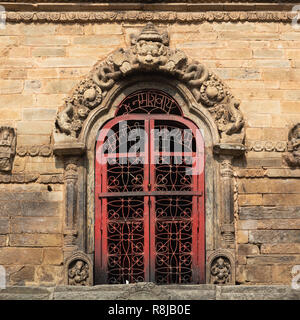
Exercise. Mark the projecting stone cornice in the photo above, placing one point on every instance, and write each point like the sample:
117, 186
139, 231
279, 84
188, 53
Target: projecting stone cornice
129, 11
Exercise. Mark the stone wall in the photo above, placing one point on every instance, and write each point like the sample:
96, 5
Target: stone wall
41, 62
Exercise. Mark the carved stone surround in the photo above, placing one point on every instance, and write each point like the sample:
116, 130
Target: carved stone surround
204, 98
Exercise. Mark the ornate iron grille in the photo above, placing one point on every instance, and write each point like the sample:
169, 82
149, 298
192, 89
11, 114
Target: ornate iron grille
173, 213
149, 207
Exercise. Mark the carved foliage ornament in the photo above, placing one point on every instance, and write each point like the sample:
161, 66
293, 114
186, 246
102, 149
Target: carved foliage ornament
293, 156
150, 51
7, 148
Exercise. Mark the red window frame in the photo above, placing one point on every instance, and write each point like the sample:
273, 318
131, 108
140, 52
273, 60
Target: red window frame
198, 215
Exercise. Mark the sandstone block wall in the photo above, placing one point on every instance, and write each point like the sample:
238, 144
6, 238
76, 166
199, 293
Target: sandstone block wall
41, 62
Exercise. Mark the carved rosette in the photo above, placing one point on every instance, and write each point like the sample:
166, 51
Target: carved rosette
212, 91
7, 148
150, 51
292, 157
221, 268
78, 270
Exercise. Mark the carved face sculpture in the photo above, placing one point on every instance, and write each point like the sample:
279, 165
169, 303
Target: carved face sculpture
150, 53
5, 135
220, 263
79, 265
5, 139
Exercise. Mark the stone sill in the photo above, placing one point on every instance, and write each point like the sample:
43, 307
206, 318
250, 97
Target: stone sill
150, 291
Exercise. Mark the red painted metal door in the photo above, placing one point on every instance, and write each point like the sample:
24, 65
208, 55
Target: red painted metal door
149, 222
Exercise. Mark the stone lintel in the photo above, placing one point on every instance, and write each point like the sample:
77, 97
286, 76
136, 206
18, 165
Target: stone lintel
71, 148
230, 149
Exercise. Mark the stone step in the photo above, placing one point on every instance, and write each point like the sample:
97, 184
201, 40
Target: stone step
150, 291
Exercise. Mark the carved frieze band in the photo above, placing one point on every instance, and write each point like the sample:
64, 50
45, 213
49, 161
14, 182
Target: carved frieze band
269, 146
30, 178
18, 178
143, 16
34, 151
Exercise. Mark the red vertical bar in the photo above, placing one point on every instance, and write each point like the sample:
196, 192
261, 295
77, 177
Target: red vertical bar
97, 214
195, 219
104, 222
146, 205
201, 209
152, 201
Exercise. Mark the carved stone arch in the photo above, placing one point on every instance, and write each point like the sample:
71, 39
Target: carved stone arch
204, 98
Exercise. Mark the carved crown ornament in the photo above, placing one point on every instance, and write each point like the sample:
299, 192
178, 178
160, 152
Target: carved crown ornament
150, 51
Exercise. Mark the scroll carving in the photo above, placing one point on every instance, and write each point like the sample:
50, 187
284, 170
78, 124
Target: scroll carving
7, 148
150, 51
293, 156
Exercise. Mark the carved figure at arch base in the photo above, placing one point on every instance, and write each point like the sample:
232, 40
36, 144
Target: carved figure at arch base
293, 157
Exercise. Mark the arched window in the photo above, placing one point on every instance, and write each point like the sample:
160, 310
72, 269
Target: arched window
149, 194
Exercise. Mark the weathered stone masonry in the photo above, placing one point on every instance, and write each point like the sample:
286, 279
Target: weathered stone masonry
44, 58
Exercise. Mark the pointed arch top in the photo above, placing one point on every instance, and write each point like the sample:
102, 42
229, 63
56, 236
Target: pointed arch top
150, 52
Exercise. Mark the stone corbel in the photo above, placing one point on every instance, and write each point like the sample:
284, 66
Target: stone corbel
226, 153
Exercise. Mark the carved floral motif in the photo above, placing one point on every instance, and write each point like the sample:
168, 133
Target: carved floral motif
259, 146
7, 148
293, 157
18, 178
150, 51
